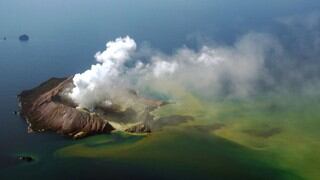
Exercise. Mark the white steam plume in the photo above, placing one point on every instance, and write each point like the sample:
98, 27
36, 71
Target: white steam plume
206, 70
97, 84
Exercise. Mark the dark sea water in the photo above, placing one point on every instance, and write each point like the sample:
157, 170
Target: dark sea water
64, 36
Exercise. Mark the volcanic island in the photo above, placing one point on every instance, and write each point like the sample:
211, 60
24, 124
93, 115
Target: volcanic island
47, 108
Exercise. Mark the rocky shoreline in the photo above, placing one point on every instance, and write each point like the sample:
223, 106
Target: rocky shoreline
46, 109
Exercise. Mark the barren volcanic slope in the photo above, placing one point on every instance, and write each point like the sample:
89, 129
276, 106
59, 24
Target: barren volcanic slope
44, 109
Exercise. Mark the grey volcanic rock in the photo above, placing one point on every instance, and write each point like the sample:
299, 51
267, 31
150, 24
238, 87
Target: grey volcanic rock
151, 124
26, 158
140, 128
45, 110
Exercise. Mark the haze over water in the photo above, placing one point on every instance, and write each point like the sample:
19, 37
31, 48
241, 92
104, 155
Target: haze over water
65, 35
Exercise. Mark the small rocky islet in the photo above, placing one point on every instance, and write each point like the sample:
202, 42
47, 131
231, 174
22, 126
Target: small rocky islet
24, 38
26, 158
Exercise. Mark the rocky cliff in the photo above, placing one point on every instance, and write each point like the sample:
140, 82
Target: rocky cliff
45, 110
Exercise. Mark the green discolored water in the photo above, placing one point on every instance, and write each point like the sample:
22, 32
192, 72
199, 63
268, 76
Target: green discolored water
268, 137
271, 137
264, 137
